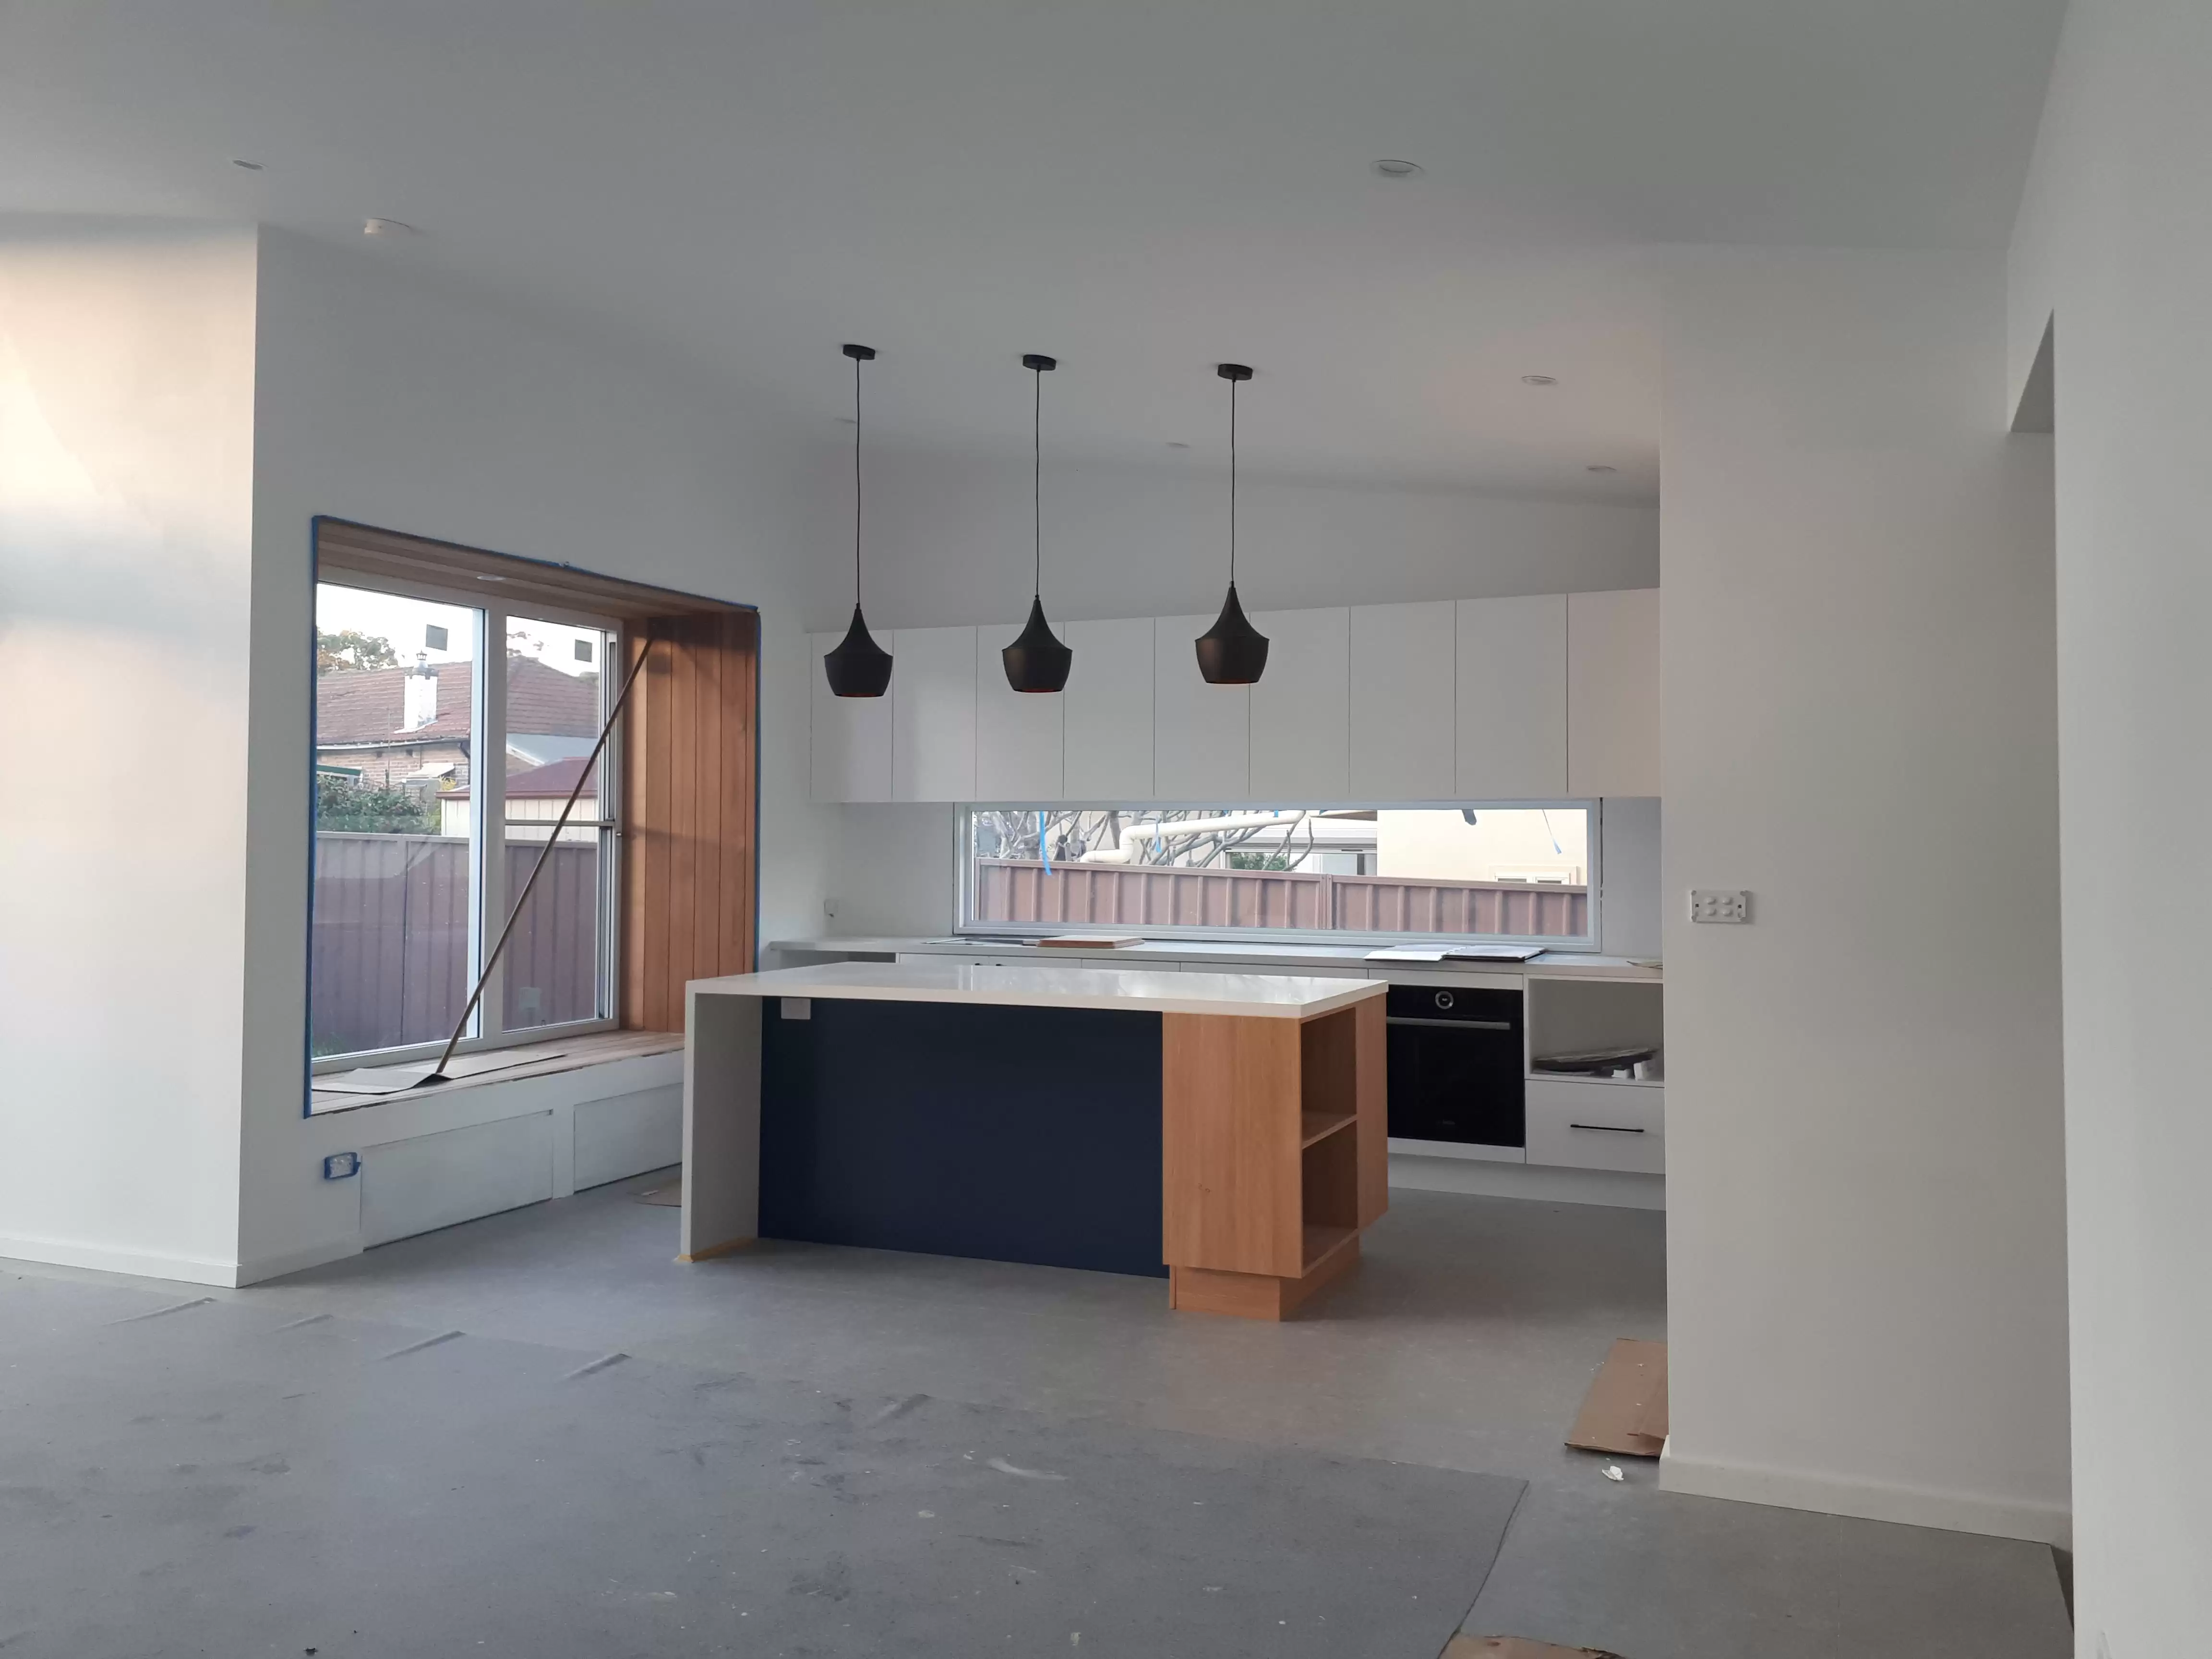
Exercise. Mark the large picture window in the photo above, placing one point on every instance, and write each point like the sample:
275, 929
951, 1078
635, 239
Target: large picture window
448, 736
1521, 873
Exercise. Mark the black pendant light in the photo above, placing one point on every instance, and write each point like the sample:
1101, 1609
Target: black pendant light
859, 667
1038, 661
1232, 652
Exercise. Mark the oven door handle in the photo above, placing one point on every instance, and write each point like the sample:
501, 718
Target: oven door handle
1452, 1025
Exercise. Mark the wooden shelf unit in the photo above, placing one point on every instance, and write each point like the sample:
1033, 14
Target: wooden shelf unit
1316, 1126
1276, 1155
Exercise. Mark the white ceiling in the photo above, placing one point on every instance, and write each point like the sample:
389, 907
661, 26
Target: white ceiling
1141, 188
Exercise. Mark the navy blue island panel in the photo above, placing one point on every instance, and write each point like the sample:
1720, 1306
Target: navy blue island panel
1011, 1133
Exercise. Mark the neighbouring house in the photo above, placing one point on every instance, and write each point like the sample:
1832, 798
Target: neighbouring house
413, 726
534, 795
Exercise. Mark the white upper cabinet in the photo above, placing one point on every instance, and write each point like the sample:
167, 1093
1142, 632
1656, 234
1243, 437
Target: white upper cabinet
1301, 715
849, 738
1613, 693
1402, 703
1512, 698
1106, 720
1018, 733
1520, 699
1201, 733
933, 698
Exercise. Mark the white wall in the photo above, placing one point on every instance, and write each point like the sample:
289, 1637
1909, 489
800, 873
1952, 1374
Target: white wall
2115, 238
390, 398
1866, 1246
126, 430
948, 543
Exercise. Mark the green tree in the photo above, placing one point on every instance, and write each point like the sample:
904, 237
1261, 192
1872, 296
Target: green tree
349, 649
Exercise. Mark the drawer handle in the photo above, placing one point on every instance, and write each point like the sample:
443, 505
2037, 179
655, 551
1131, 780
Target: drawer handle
1452, 1025
1606, 1128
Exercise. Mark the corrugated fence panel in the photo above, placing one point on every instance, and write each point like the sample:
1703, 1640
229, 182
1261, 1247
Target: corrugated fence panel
391, 937
1145, 895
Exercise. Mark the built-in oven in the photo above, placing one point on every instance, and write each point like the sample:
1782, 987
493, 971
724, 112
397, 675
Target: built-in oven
1456, 1065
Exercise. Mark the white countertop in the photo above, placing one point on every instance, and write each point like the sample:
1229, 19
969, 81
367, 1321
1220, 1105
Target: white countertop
1263, 996
1321, 958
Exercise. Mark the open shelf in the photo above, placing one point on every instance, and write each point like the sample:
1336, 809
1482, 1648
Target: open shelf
1319, 1125
1321, 1241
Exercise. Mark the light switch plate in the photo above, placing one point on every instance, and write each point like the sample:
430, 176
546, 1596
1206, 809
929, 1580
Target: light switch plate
1719, 904
794, 1007
339, 1165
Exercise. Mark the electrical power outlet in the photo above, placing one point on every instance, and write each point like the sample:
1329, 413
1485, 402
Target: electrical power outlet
829, 906
1719, 904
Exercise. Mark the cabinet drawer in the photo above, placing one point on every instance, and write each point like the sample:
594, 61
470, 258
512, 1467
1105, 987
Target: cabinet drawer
1598, 1125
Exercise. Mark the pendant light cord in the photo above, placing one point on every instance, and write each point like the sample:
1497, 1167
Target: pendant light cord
1232, 486
1036, 485
856, 484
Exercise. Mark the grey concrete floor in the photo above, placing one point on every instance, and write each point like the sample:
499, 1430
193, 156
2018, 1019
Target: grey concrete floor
1464, 1342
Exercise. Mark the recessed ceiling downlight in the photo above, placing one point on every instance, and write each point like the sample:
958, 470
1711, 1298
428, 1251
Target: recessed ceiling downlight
1394, 169
250, 166
1600, 466
1540, 380
388, 227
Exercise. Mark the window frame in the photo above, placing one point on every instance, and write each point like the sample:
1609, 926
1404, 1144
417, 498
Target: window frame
964, 875
488, 812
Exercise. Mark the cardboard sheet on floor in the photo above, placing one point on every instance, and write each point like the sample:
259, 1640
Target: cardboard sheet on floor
1515, 1647
397, 1080
1626, 1410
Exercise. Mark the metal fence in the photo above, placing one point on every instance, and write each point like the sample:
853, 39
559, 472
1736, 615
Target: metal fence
390, 939
1146, 895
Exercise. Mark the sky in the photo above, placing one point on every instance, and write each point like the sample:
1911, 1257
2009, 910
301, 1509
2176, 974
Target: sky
402, 620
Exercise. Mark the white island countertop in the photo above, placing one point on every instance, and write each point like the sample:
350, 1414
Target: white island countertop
1261, 996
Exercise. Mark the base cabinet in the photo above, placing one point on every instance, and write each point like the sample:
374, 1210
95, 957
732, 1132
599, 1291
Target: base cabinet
1594, 1124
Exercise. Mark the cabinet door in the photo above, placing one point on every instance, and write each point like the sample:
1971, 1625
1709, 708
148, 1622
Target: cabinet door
934, 714
1512, 698
1107, 721
1201, 733
1301, 710
1018, 733
849, 738
1403, 708
1613, 693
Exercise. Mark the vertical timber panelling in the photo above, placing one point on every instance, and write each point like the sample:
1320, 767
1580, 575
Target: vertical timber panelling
688, 863
739, 890
1231, 1186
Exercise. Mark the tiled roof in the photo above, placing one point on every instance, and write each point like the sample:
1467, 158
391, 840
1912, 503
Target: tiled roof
551, 781
369, 705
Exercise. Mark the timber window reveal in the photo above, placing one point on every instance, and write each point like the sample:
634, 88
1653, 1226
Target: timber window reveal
458, 697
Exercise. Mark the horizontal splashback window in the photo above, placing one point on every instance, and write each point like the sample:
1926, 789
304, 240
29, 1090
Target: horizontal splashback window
1519, 873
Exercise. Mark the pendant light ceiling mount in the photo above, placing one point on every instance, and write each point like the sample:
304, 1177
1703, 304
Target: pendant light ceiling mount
1038, 661
1232, 652
859, 667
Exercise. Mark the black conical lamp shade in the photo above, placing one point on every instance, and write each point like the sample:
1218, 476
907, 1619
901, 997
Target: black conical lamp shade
1232, 652
1038, 661
859, 667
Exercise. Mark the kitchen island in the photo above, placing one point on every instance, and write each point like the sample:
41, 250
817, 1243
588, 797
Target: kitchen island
1223, 1130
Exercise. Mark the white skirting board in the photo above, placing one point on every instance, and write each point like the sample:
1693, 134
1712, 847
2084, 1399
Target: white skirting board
1827, 1494
1546, 1184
